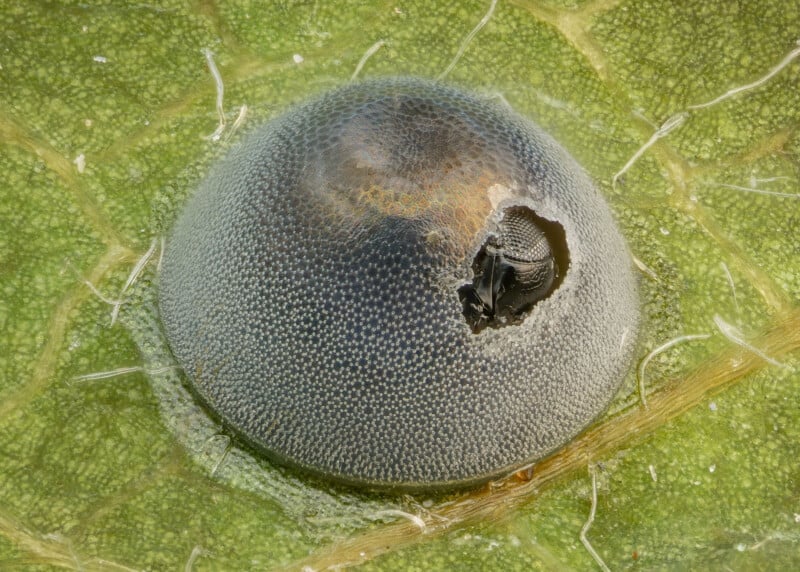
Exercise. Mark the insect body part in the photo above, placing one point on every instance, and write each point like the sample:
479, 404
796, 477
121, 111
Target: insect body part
514, 269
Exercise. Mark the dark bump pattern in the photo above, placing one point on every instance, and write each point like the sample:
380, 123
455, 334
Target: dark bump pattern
309, 290
523, 240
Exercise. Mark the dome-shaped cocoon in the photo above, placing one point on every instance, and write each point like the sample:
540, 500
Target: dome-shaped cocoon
400, 285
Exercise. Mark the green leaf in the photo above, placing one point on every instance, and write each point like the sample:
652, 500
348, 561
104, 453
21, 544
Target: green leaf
107, 109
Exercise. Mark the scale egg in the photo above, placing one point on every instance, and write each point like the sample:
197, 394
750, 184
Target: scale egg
400, 285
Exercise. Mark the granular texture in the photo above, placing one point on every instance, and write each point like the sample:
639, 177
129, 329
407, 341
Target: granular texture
310, 289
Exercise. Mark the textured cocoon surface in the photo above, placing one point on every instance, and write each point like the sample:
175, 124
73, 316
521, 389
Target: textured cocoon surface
310, 290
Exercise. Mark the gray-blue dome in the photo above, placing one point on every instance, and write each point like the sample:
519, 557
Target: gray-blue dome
317, 289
